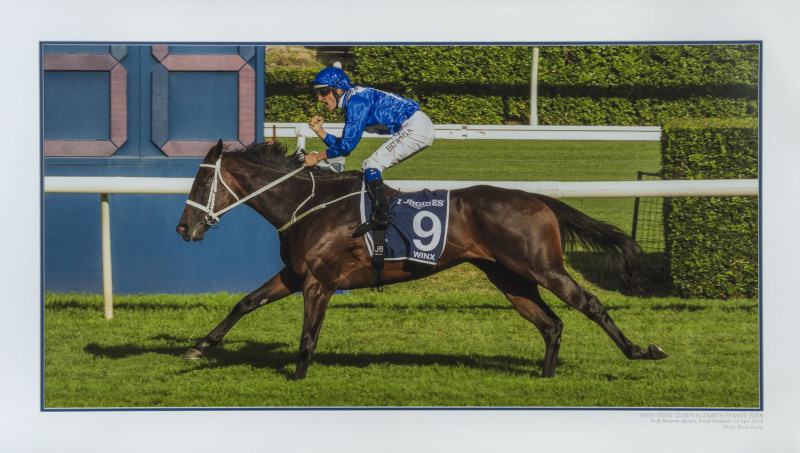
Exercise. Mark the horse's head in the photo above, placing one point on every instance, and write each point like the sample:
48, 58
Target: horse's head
205, 199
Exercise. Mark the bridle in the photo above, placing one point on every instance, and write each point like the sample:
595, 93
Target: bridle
213, 216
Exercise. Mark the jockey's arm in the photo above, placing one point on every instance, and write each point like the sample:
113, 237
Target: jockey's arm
314, 158
315, 123
351, 135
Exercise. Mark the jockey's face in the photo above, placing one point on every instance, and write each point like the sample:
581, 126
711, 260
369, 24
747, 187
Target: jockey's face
329, 99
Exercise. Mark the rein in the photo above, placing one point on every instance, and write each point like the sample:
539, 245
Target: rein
295, 217
213, 216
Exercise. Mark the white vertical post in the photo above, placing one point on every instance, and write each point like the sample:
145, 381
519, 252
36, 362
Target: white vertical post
105, 234
534, 119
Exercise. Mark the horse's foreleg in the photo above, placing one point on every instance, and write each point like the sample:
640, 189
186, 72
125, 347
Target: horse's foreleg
316, 297
281, 285
525, 297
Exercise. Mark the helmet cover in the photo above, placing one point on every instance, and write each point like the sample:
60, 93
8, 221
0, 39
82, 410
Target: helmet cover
332, 77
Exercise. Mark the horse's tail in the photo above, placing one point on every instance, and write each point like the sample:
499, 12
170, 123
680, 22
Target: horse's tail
578, 228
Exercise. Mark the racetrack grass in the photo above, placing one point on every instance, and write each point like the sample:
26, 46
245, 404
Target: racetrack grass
514, 160
450, 340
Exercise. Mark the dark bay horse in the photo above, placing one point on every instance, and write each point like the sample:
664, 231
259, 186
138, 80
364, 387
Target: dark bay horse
515, 237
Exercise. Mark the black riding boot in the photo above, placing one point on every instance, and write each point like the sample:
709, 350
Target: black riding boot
379, 219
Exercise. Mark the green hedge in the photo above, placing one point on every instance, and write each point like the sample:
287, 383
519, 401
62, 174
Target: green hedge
711, 243
578, 85
290, 98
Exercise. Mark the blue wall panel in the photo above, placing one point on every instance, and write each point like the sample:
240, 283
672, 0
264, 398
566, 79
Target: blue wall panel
71, 249
239, 256
81, 108
148, 256
199, 105
203, 104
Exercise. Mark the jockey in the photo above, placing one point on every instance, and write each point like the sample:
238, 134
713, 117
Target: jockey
374, 111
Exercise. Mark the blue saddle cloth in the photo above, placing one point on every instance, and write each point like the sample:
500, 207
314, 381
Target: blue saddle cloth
418, 225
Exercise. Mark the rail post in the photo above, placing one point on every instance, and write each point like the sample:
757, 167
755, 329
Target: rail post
534, 118
105, 234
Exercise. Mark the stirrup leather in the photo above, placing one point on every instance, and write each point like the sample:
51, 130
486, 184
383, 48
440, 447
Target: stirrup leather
379, 236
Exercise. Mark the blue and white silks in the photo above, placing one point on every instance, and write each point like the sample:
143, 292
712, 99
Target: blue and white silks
368, 109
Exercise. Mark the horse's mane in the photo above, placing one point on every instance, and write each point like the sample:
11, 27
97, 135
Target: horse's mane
269, 152
273, 152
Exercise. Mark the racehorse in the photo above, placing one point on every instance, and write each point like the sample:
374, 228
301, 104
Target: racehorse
514, 237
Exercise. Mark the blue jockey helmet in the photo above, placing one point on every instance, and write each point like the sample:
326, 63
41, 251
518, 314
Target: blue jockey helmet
331, 77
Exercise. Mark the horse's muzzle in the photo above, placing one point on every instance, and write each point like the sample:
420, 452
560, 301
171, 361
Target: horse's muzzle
189, 235
183, 230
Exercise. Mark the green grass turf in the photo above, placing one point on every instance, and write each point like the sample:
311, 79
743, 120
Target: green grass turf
514, 160
447, 341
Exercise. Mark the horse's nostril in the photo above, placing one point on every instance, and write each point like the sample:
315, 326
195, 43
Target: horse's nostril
182, 228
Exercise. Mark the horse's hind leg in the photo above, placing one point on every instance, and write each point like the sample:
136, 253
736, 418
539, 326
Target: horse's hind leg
525, 297
565, 288
281, 285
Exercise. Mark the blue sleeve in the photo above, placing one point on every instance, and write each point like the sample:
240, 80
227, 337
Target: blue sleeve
357, 112
329, 140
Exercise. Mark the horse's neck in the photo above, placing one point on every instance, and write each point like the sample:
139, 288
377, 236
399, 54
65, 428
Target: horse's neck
279, 203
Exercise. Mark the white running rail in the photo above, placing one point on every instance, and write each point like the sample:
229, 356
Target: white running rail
555, 189
491, 132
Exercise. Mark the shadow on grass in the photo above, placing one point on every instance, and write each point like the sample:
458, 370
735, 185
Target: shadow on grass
127, 350
407, 307
278, 357
598, 269
86, 304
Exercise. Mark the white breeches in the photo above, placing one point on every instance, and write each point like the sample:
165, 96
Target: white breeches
416, 134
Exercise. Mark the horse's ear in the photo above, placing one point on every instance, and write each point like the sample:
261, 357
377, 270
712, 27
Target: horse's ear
300, 154
214, 152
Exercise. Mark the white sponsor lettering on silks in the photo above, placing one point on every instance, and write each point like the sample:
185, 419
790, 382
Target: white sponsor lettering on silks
424, 256
420, 204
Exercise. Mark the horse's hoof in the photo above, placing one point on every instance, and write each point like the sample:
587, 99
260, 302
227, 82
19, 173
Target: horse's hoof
192, 354
656, 353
